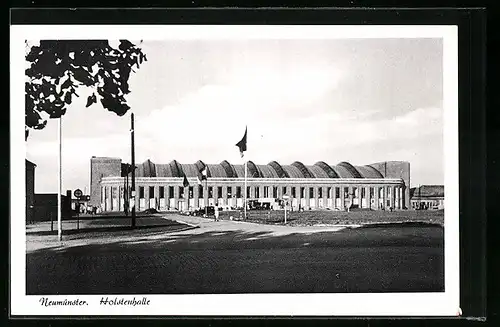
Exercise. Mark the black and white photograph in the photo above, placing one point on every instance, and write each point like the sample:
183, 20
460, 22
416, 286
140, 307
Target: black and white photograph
235, 170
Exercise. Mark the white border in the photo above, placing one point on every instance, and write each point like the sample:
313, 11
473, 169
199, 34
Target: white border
373, 304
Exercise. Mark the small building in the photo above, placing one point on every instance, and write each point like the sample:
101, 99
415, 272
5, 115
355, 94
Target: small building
45, 207
427, 197
30, 190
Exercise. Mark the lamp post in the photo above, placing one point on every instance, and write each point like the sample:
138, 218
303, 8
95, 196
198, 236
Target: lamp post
133, 168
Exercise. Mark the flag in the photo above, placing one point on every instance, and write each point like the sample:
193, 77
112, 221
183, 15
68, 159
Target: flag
186, 183
243, 143
202, 174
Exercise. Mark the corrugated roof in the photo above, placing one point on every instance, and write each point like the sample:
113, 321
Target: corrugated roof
292, 171
427, 191
271, 170
318, 172
368, 172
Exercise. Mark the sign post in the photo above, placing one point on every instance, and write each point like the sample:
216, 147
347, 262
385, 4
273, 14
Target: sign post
285, 198
78, 195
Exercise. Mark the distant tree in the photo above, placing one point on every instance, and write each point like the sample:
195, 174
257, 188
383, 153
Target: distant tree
57, 68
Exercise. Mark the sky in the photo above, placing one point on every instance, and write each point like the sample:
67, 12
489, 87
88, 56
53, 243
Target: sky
356, 100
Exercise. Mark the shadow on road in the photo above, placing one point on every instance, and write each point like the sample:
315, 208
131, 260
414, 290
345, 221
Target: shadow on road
379, 259
376, 236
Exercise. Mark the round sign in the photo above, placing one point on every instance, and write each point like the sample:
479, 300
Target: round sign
78, 193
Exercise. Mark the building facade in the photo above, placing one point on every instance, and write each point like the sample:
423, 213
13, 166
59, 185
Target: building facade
427, 197
378, 186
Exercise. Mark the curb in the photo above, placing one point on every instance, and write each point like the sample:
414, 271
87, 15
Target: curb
182, 222
186, 223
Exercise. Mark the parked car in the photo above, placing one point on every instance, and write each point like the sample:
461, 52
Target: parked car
210, 210
150, 211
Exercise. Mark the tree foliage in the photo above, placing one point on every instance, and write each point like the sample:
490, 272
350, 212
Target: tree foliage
58, 68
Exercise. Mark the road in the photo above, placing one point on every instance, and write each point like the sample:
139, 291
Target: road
243, 259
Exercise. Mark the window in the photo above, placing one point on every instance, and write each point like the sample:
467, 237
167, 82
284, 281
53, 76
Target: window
266, 191
294, 192
170, 192
190, 194
151, 192
275, 192
248, 191
210, 192
219, 192
162, 192
320, 192
337, 192
229, 192
371, 192
181, 191
257, 195
200, 191
238, 191
363, 193
302, 192
283, 190
346, 192
141, 192
329, 192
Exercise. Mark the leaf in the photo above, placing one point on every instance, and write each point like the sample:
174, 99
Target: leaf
67, 83
91, 100
67, 97
125, 45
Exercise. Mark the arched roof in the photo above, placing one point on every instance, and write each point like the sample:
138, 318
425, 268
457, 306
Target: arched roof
317, 172
354, 173
230, 172
267, 171
327, 169
272, 170
164, 171
176, 168
278, 169
342, 172
253, 170
369, 172
190, 170
292, 171
216, 171
303, 169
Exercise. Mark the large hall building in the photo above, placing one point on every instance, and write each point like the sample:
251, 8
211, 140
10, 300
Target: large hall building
378, 186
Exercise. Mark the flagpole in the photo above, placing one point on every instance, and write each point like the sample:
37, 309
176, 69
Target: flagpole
245, 202
59, 184
206, 190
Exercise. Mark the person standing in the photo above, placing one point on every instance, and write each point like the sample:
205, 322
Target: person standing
216, 213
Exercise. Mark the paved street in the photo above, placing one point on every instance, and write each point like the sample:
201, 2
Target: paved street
235, 257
